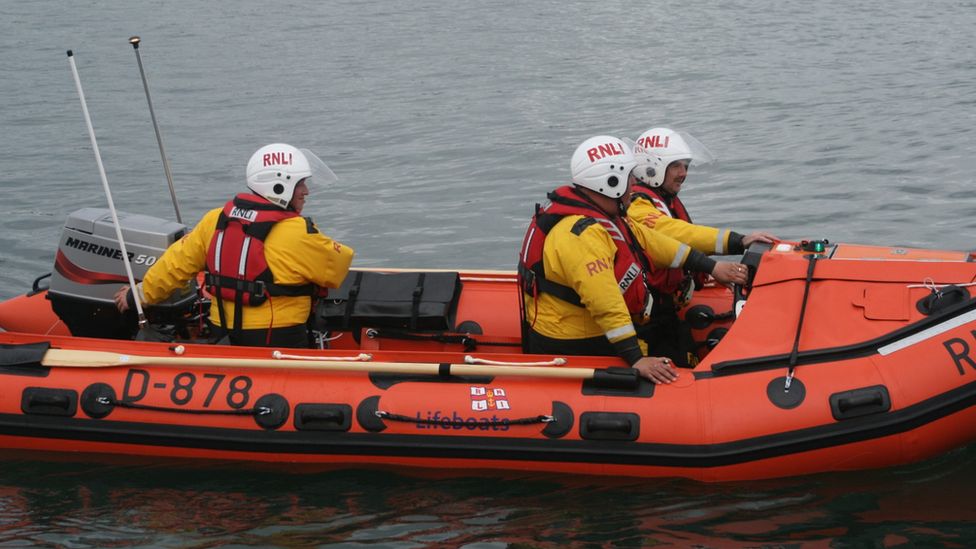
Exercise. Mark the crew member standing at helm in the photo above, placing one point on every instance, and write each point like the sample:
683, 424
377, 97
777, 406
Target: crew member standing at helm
583, 272
263, 261
663, 157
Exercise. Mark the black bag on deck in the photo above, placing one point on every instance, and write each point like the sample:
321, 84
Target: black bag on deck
414, 301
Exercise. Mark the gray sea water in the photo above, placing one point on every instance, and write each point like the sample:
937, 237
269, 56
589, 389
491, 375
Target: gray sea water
446, 122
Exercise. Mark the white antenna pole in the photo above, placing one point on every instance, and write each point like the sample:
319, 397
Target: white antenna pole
108, 192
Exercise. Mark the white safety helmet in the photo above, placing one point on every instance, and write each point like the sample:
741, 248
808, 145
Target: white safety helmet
603, 164
650, 167
669, 146
275, 170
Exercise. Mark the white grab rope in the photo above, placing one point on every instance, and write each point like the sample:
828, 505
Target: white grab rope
361, 357
468, 359
930, 284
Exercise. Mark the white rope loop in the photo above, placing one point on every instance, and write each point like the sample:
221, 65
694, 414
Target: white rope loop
361, 357
468, 359
930, 284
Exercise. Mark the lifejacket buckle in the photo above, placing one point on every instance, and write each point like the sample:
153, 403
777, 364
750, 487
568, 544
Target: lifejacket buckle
686, 290
527, 278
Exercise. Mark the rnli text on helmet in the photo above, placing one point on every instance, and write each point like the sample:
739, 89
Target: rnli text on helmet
277, 159
654, 142
604, 150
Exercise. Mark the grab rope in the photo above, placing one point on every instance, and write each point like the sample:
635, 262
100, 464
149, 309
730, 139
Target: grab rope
361, 357
445, 422
486, 279
468, 359
466, 340
930, 284
256, 411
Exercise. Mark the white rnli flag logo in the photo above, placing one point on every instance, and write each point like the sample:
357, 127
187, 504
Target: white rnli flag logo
487, 398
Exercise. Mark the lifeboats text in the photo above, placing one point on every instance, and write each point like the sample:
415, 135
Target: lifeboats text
437, 420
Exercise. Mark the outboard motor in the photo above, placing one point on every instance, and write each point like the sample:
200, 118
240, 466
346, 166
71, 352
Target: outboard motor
89, 270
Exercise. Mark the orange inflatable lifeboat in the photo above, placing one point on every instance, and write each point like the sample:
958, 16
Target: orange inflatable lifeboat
835, 357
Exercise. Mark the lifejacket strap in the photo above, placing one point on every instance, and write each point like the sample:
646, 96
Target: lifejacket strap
258, 287
533, 279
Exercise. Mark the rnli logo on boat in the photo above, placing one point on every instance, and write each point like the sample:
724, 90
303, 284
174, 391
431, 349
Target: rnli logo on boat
486, 398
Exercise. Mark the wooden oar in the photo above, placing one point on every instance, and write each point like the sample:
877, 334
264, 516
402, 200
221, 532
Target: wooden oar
102, 359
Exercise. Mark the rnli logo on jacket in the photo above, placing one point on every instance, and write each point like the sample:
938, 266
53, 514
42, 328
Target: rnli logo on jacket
652, 217
629, 277
245, 214
486, 398
598, 266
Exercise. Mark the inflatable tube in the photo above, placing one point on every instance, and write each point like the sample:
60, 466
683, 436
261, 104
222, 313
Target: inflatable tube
875, 380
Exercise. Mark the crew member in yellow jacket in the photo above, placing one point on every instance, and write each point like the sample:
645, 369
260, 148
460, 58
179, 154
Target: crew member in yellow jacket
262, 260
663, 157
583, 268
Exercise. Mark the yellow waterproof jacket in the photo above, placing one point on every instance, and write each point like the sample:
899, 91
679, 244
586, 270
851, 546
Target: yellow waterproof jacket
568, 260
295, 252
663, 250
708, 240
583, 262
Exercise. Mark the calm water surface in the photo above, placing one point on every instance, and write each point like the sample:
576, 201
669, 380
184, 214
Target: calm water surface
446, 122
194, 505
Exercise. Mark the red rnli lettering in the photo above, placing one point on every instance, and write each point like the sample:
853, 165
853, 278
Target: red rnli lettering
598, 266
603, 151
654, 142
277, 158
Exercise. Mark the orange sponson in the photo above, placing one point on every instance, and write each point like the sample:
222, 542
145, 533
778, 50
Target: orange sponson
880, 373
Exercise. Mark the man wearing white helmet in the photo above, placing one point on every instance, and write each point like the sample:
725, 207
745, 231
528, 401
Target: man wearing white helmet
263, 261
583, 269
663, 157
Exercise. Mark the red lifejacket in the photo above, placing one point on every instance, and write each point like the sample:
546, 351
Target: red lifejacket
668, 281
236, 267
630, 265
